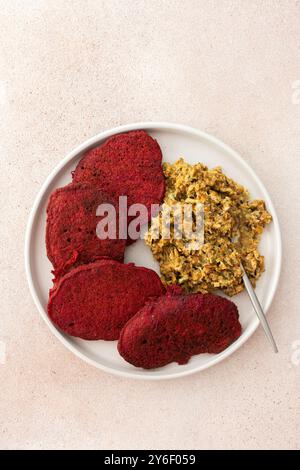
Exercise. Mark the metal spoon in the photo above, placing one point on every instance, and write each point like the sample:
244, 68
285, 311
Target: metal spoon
258, 309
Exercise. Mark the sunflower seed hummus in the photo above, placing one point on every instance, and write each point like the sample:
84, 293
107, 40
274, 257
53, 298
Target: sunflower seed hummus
233, 225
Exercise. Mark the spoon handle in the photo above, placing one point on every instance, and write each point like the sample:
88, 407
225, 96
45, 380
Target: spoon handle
258, 310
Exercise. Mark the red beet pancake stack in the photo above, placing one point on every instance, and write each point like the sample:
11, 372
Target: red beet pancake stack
95, 301
176, 327
95, 296
71, 237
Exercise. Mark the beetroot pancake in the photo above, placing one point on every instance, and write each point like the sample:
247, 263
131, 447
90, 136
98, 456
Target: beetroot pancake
95, 301
126, 165
71, 237
173, 328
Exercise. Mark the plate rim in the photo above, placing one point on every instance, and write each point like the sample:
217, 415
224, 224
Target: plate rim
90, 142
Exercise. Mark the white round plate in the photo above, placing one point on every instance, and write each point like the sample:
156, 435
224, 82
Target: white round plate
175, 141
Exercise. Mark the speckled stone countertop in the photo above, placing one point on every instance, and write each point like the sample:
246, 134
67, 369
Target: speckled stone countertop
70, 69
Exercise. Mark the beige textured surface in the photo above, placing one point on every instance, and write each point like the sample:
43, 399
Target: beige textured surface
69, 69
